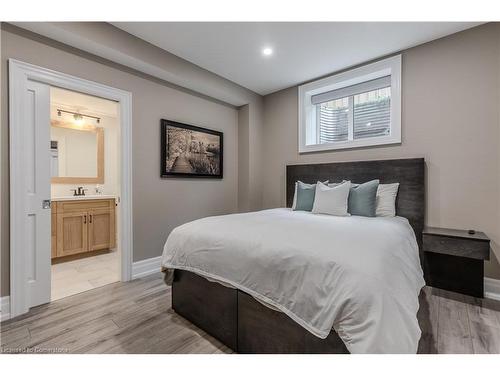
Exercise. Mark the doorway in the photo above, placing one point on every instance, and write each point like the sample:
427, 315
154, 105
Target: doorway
31, 219
85, 188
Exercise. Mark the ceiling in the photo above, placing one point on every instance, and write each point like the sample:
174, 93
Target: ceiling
301, 51
82, 103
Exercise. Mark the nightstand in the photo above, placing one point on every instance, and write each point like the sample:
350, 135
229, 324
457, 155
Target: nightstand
454, 260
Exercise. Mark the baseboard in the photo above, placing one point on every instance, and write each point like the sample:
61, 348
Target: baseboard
492, 288
146, 267
4, 308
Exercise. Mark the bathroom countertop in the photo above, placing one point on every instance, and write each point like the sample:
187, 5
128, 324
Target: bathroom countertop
83, 197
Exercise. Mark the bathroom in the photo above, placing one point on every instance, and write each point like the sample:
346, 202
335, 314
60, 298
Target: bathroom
85, 190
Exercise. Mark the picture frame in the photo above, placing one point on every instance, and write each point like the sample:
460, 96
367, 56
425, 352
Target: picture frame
190, 151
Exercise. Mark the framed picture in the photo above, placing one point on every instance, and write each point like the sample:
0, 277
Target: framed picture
190, 151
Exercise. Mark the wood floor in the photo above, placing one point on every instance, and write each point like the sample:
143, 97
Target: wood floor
136, 317
453, 323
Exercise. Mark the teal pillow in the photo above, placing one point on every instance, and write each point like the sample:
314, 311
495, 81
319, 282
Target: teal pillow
305, 196
363, 199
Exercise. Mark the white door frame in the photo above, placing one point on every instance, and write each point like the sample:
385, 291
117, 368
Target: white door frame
19, 74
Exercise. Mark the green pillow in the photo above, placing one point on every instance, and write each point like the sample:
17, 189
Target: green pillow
363, 199
305, 196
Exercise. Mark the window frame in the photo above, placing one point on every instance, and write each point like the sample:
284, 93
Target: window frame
307, 111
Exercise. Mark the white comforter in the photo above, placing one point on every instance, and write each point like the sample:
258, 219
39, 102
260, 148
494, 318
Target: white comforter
360, 276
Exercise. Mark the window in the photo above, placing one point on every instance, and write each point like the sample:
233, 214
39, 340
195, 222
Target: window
357, 108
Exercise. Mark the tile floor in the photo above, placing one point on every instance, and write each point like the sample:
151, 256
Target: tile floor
80, 275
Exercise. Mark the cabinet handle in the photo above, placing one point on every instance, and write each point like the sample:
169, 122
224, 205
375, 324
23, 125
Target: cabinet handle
90, 219
84, 219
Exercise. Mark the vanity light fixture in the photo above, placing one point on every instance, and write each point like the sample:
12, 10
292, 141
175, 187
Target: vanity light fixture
78, 117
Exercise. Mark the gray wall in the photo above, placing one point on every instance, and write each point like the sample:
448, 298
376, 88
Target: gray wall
105, 41
159, 205
450, 116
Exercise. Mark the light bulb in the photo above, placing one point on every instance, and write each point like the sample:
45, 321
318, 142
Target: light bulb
78, 119
267, 51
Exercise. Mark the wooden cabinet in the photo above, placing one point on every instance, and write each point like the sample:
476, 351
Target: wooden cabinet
82, 226
71, 233
101, 229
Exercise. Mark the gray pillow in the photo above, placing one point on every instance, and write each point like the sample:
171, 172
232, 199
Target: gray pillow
294, 203
363, 199
305, 196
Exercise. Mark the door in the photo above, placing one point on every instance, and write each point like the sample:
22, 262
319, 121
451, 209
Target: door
72, 233
36, 169
29, 245
101, 229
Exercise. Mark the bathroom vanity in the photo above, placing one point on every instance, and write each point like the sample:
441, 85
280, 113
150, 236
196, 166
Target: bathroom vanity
82, 224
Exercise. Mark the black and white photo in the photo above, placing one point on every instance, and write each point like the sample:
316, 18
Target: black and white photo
190, 151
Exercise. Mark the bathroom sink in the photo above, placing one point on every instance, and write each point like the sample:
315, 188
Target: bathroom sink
82, 197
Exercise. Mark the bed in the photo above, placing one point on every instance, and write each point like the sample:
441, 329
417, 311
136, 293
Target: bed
283, 281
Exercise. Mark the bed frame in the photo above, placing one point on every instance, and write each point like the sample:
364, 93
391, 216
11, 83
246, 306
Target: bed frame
245, 325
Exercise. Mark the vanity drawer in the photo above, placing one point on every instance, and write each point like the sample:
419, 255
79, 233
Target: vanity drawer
83, 205
474, 249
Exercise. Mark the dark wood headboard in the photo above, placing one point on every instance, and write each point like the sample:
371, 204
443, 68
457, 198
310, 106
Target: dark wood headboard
410, 173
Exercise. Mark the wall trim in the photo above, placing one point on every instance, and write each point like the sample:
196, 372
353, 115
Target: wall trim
4, 308
146, 267
492, 288
19, 75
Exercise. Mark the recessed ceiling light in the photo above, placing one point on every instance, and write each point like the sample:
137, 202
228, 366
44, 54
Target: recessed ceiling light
267, 51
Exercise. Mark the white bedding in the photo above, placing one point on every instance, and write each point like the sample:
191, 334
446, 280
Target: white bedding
360, 276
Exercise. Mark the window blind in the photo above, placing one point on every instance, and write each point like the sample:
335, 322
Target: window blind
363, 115
351, 90
333, 124
372, 118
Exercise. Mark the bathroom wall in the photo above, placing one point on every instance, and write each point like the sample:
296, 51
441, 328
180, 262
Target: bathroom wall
107, 111
111, 163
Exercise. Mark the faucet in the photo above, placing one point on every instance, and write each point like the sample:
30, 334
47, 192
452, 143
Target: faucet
80, 191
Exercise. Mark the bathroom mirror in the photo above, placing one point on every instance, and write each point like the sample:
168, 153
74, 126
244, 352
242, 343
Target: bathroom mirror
77, 153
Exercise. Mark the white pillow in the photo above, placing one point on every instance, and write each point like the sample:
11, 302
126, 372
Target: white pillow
294, 204
386, 200
332, 200
333, 184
